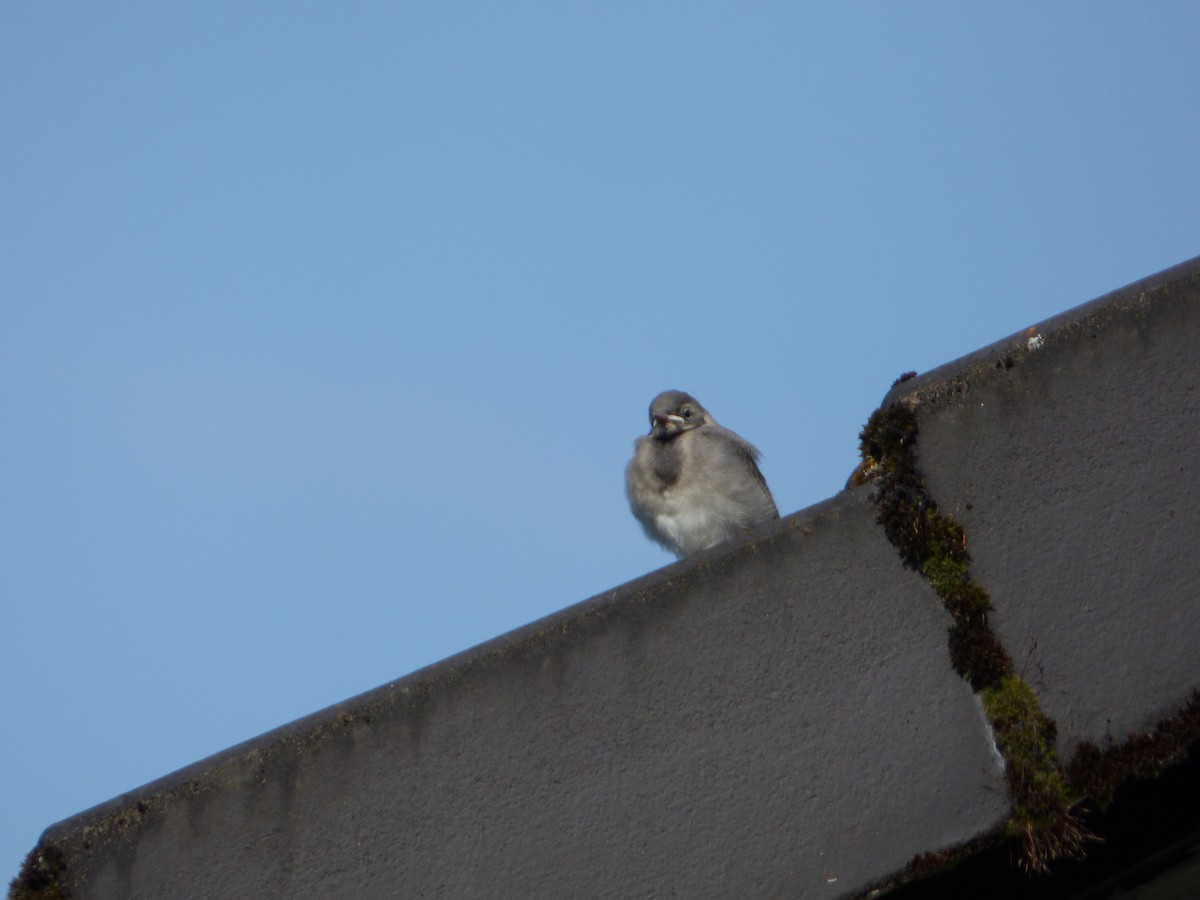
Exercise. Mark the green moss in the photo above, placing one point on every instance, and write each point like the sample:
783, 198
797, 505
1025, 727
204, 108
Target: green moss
977, 654
926, 865
932, 543
946, 575
966, 600
1098, 773
888, 434
1041, 818
1025, 737
936, 546
38, 878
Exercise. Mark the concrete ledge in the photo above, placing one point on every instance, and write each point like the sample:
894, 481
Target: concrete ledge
1070, 454
776, 720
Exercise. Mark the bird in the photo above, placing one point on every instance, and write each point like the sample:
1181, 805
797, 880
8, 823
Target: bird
691, 483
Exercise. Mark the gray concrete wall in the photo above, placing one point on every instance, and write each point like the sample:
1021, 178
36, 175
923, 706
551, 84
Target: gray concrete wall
1071, 455
774, 719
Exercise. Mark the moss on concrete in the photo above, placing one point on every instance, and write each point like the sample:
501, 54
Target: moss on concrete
1041, 819
936, 546
1097, 773
932, 543
39, 876
928, 865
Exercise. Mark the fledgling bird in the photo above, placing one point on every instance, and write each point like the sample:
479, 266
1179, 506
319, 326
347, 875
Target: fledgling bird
692, 483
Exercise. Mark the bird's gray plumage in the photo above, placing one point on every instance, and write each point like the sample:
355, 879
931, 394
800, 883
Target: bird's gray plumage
692, 483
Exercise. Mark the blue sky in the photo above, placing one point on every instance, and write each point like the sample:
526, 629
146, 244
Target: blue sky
326, 329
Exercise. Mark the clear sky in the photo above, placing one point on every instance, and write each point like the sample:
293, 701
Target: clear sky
326, 328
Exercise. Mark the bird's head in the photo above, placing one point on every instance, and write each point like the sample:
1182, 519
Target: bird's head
673, 412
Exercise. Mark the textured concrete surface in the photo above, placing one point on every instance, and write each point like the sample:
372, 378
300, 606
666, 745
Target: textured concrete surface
1071, 455
780, 720
774, 719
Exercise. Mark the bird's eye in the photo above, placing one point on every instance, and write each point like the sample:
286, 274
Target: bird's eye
687, 413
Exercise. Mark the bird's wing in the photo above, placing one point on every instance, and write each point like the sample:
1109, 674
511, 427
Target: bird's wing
742, 450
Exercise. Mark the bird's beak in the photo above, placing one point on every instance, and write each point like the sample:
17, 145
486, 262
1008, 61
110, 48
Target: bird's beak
664, 424
666, 419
